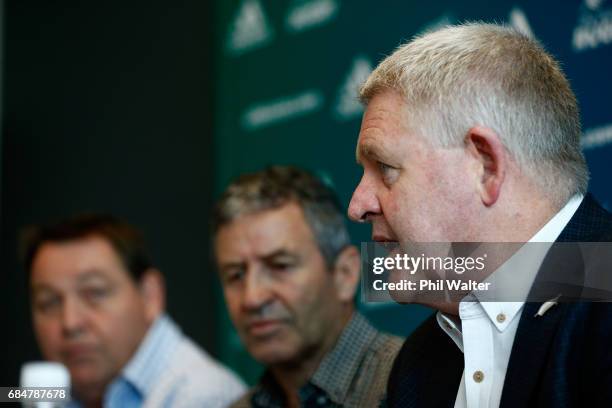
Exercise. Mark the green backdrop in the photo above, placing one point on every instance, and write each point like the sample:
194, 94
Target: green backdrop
287, 74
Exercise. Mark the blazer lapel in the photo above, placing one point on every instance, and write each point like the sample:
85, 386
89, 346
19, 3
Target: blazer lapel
535, 334
427, 371
530, 351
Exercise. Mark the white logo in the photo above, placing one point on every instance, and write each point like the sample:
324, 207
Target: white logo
518, 19
596, 137
594, 28
441, 22
305, 14
348, 105
593, 4
249, 29
282, 109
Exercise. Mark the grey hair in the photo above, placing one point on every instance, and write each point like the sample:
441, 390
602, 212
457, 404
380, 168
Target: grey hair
276, 186
485, 74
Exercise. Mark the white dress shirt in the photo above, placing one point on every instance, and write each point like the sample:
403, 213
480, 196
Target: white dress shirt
484, 331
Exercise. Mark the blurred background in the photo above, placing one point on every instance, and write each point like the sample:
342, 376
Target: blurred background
147, 109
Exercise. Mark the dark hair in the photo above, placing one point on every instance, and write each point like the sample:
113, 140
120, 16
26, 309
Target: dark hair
127, 241
276, 186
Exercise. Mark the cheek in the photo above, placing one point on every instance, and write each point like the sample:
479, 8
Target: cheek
120, 325
233, 300
309, 286
314, 305
400, 206
49, 337
133, 316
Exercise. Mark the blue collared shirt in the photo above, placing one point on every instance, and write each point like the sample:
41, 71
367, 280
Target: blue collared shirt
169, 370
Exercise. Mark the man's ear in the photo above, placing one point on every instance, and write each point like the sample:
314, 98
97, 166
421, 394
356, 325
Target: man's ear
153, 291
485, 146
346, 273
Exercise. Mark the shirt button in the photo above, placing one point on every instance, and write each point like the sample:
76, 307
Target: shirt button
501, 318
321, 400
478, 376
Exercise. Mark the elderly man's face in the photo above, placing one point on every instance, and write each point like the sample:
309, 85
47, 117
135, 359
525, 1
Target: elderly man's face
410, 191
88, 313
280, 294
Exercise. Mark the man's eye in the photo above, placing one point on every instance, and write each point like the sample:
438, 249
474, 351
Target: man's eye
387, 172
281, 266
234, 275
384, 168
47, 305
95, 295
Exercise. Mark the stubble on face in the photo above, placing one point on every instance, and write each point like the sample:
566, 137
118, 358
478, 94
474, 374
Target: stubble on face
298, 299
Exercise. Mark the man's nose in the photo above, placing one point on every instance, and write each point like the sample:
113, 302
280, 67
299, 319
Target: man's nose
73, 317
257, 292
364, 202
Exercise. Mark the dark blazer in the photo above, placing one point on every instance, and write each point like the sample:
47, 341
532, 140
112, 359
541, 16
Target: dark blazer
561, 359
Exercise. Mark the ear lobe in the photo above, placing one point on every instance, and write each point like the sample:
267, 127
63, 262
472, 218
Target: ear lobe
485, 146
346, 273
153, 291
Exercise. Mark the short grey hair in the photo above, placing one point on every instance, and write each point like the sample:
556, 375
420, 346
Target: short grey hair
490, 75
276, 186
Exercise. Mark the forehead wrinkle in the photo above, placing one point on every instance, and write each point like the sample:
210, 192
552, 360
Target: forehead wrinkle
374, 142
89, 274
254, 236
269, 242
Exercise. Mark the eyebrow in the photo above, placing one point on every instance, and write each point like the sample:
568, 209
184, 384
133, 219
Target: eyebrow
267, 258
91, 274
41, 288
229, 265
369, 150
82, 278
280, 253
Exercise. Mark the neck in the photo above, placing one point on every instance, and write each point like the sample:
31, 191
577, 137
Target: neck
520, 214
515, 222
91, 398
293, 375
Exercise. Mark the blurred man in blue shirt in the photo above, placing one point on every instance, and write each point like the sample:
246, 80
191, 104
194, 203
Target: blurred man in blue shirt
98, 308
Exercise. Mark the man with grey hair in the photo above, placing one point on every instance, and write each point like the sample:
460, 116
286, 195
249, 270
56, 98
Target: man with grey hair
289, 276
471, 134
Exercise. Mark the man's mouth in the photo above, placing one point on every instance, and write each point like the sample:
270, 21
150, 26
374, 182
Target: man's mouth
382, 238
77, 353
265, 327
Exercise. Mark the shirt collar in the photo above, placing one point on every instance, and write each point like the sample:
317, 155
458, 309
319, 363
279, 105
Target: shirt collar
505, 275
154, 352
335, 372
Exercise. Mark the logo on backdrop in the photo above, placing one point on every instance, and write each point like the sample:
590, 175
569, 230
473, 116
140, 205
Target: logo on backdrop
440, 22
596, 137
282, 109
594, 27
249, 28
305, 14
518, 19
348, 105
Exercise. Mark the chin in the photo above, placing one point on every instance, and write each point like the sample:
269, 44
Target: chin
272, 354
83, 376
